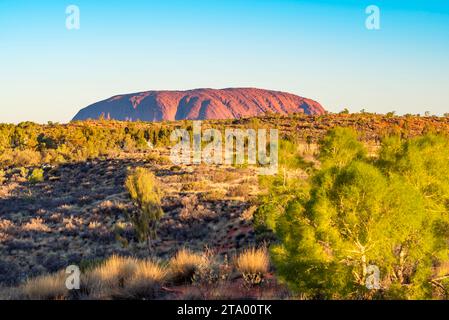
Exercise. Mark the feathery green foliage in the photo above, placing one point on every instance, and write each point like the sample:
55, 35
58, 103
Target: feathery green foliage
280, 188
144, 190
339, 147
391, 212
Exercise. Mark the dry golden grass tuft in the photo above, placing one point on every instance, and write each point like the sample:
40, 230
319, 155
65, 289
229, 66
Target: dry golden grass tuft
110, 276
146, 281
117, 277
215, 195
131, 278
7, 190
253, 261
106, 205
6, 225
93, 225
248, 214
184, 265
36, 224
48, 287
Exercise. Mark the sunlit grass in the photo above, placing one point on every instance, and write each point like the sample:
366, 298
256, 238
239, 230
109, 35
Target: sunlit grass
253, 261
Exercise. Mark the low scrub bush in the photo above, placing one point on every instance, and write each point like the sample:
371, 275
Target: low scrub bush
195, 186
37, 175
215, 195
240, 190
2, 176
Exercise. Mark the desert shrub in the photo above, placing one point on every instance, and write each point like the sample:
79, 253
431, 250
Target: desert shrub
144, 190
390, 114
192, 209
195, 186
240, 190
19, 158
164, 160
224, 176
23, 172
153, 156
5, 136
189, 204
24, 136
26, 158
356, 213
210, 277
47, 287
184, 265
46, 142
253, 264
2, 176
6, 225
128, 144
37, 175
158, 158
9, 270
212, 271
6, 158
214, 195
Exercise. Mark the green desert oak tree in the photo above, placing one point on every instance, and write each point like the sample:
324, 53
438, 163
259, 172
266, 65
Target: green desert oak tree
146, 194
359, 213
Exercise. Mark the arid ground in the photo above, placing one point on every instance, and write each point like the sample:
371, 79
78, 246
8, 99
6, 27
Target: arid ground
77, 214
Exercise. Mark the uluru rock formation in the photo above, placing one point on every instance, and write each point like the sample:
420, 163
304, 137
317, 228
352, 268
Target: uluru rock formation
199, 104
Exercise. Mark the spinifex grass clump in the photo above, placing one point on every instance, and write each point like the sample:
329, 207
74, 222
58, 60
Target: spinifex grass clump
144, 190
253, 264
47, 287
184, 265
125, 277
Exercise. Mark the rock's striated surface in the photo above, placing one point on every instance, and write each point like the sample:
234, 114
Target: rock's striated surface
199, 104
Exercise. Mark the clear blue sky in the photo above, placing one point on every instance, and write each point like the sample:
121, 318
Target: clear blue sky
317, 49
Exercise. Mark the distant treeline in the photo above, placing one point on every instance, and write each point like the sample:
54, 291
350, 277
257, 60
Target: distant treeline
30, 144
